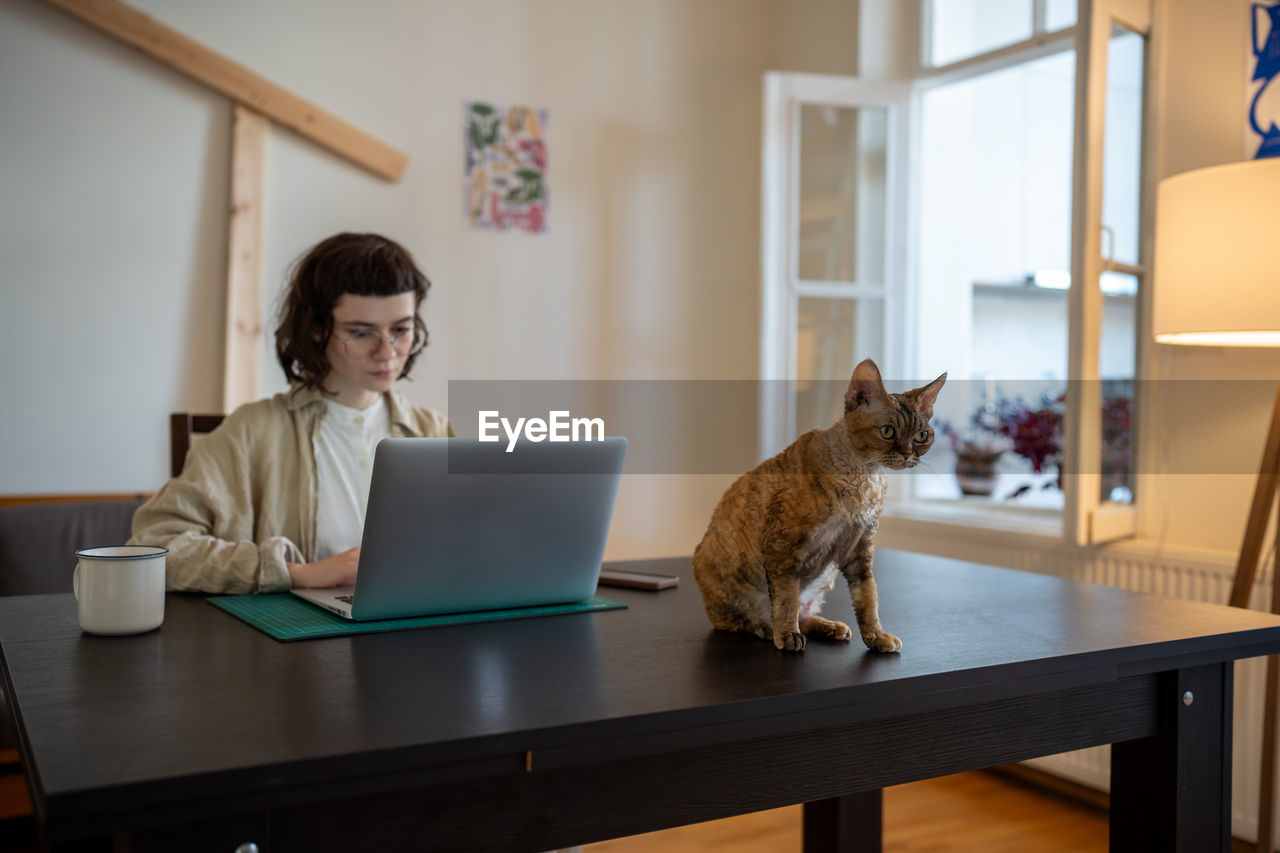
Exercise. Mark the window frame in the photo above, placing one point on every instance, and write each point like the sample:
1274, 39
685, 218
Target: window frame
1087, 519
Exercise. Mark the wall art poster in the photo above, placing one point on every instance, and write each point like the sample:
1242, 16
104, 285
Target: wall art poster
506, 181
1264, 80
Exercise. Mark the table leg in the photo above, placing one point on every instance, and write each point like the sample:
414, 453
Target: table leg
848, 824
1172, 791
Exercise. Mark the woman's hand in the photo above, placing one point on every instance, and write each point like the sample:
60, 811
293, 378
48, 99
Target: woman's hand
338, 570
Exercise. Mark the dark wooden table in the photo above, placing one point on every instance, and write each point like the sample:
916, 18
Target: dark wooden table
563, 730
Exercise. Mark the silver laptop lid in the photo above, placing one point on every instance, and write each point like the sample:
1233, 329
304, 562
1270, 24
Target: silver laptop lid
456, 525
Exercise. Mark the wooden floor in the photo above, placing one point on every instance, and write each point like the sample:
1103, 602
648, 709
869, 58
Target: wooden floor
13, 788
979, 811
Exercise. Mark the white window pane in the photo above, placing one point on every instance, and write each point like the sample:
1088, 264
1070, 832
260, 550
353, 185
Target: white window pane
995, 209
842, 194
995, 226
832, 335
1059, 14
1117, 362
959, 29
1122, 147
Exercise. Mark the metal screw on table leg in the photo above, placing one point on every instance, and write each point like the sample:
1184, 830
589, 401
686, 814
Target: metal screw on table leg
1188, 698
247, 847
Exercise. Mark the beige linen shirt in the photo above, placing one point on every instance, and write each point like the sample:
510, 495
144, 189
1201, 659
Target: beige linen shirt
245, 502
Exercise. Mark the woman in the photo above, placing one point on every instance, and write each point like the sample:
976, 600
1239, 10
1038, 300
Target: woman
275, 497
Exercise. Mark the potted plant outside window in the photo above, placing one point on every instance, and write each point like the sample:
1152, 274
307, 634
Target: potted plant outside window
977, 449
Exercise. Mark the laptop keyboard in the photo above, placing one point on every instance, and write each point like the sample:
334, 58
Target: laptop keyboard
346, 599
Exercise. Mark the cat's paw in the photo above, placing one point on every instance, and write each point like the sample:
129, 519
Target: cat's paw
789, 641
832, 629
839, 631
882, 642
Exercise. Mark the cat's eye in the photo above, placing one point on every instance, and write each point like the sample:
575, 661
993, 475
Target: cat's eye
887, 432
921, 437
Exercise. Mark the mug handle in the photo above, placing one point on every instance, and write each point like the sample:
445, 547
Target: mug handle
75, 582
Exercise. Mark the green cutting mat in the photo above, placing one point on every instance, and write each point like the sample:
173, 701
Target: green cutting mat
287, 617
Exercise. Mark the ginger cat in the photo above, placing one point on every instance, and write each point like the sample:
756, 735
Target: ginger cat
781, 531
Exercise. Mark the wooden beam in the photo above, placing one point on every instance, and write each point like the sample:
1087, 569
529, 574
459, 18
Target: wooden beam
1264, 495
244, 259
1264, 498
216, 71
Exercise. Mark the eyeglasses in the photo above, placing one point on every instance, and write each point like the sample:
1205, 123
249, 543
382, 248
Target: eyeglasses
363, 344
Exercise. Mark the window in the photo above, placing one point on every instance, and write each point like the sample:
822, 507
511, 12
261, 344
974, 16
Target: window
985, 219
832, 211
993, 259
839, 258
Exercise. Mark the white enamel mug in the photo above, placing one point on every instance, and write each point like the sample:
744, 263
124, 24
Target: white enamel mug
120, 589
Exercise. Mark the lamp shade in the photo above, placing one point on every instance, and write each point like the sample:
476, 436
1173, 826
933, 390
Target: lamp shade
1217, 256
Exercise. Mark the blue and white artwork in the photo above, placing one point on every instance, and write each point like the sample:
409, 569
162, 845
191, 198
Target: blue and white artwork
1264, 87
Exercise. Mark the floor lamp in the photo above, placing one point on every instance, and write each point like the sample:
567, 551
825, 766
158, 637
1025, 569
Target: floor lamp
1217, 283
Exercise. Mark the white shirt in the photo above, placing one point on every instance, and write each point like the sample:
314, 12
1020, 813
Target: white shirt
344, 470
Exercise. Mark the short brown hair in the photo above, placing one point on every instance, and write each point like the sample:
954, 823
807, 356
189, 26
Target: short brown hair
360, 264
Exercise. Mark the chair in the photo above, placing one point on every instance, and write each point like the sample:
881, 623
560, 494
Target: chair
39, 536
183, 427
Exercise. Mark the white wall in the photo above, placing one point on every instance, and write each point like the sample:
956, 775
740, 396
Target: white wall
816, 36
111, 254
112, 218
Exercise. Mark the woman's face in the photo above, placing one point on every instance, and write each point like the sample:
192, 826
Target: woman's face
362, 365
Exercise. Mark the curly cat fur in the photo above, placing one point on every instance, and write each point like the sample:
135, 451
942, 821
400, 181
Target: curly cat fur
783, 530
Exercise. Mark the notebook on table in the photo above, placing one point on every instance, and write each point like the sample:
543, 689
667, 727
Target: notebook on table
456, 525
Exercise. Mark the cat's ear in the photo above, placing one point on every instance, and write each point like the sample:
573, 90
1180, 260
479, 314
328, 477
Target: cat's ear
865, 386
926, 395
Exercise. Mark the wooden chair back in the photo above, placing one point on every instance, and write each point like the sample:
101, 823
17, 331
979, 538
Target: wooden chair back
183, 427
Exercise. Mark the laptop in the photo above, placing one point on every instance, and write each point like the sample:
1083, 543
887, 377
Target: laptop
456, 525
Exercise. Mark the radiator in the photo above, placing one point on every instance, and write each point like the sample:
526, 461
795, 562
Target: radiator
1143, 567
